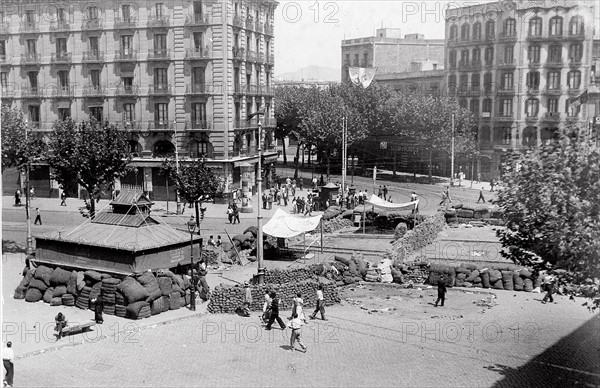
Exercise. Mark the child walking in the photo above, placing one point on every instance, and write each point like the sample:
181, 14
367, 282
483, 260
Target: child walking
296, 325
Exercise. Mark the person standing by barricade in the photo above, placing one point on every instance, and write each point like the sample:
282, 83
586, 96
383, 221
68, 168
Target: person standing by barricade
8, 358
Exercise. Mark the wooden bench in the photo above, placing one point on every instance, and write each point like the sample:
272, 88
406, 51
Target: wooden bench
77, 328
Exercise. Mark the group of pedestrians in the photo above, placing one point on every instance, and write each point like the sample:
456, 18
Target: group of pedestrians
233, 213
303, 206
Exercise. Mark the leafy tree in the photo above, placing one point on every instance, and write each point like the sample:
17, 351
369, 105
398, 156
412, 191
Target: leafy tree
195, 182
19, 149
429, 120
287, 113
89, 153
551, 200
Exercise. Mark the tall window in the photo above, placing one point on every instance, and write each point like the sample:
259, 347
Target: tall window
490, 29
61, 15
355, 55
64, 113
95, 78
507, 80
463, 82
63, 79
475, 81
576, 52
464, 58
533, 80
533, 53
97, 112
2, 50
92, 13
476, 56
506, 105
477, 31
532, 107
94, 47
556, 26
452, 59
160, 77
127, 83
464, 31
552, 105
198, 75
160, 42
126, 12
474, 106
198, 8
453, 32
506, 135
127, 44
489, 55
576, 25
487, 82
29, 16
31, 47
4, 82
535, 26
553, 80
129, 113
555, 53
32, 76
159, 10
486, 105
510, 27
509, 54
199, 113
34, 114
61, 47
161, 113
198, 40
574, 79
452, 82
571, 109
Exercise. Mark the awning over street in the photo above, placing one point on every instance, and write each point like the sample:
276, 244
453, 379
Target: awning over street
381, 204
284, 225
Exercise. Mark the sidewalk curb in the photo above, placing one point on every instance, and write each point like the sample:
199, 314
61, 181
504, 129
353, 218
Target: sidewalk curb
140, 327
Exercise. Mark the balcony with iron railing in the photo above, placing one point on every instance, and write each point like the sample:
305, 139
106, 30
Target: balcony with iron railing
127, 91
239, 53
534, 63
129, 22
32, 92
507, 64
551, 117
199, 89
506, 90
260, 57
4, 28
94, 91
63, 92
62, 25
92, 24
553, 90
250, 23
531, 119
554, 63
125, 55
269, 30
159, 55
60, 58
31, 59
575, 62
259, 27
92, 57
239, 88
507, 36
252, 89
251, 55
130, 125
159, 89
532, 89
238, 21
198, 53
158, 22
160, 125
574, 90
268, 90
578, 36
29, 28
198, 124
198, 19
489, 37
534, 38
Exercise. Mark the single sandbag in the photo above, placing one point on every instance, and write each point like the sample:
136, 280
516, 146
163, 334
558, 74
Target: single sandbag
132, 290
33, 295
60, 277
39, 284
59, 291
44, 274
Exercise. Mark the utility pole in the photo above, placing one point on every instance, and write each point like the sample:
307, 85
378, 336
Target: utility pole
27, 199
344, 151
452, 156
259, 219
178, 205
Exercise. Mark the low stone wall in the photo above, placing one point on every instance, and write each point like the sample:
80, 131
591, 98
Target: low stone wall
226, 299
419, 237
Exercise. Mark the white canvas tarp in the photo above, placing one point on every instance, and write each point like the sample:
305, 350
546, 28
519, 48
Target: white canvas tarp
284, 225
380, 203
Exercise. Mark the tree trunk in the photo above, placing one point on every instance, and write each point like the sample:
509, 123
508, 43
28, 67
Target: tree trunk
303, 151
197, 214
283, 149
296, 161
92, 203
394, 169
430, 165
328, 164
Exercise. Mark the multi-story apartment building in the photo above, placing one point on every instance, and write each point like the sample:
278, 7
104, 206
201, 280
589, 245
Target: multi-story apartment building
423, 77
177, 76
516, 65
388, 52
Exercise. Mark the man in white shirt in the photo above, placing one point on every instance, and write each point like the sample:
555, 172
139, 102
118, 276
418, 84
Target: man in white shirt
8, 357
320, 304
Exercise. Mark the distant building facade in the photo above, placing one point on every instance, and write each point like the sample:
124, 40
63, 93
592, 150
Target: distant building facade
516, 65
424, 77
174, 75
389, 52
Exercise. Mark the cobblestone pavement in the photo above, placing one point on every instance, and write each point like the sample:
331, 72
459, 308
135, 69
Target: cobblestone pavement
518, 342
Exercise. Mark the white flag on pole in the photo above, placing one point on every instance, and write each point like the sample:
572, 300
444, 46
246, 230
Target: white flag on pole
361, 75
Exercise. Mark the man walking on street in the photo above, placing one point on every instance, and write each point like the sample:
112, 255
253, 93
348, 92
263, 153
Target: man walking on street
296, 325
320, 304
441, 291
549, 291
385, 192
275, 312
38, 217
63, 199
8, 357
481, 197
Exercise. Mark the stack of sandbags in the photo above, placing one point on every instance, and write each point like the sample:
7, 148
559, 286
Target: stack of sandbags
21, 289
83, 299
361, 264
517, 281
44, 274
495, 277
437, 270
138, 310
507, 280
372, 275
72, 284
68, 300
47, 298
120, 305
132, 290
92, 277
174, 300
59, 291
38, 286
109, 289
165, 285
156, 306
150, 283
485, 278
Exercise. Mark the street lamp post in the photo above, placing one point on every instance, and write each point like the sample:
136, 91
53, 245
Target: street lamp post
259, 241
191, 225
29, 249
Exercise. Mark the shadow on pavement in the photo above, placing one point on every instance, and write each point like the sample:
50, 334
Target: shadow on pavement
574, 361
